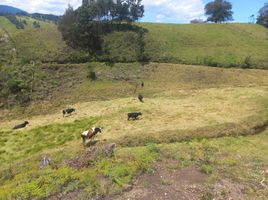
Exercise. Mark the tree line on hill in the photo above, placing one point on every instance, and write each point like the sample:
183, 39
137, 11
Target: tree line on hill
263, 16
85, 27
21, 23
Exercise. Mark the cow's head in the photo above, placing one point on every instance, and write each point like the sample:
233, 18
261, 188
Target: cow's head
26, 122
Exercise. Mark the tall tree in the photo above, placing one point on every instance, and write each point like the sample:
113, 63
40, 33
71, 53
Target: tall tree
219, 11
85, 26
67, 26
263, 16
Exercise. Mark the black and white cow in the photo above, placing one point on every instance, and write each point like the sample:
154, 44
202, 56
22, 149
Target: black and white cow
133, 115
90, 133
23, 125
68, 111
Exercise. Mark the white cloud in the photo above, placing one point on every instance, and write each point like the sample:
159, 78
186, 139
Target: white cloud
160, 17
42, 6
175, 10
158, 10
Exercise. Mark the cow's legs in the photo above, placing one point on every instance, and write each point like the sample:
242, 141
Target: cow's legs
84, 140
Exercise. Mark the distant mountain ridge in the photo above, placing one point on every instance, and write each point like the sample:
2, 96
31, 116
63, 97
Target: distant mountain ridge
4, 9
10, 10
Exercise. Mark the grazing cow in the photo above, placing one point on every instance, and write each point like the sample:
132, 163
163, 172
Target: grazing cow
90, 133
24, 124
140, 97
142, 84
68, 111
134, 115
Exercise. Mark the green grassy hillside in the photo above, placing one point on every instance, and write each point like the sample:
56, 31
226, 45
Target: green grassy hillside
208, 44
211, 112
222, 45
203, 133
43, 44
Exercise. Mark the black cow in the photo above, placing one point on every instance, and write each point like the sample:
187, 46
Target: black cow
68, 111
142, 84
24, 124
140, 97
134, 115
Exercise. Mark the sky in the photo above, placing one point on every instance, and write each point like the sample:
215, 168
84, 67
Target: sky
164, 11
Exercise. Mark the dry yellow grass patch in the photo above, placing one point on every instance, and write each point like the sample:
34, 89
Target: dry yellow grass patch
201, 108
188, 110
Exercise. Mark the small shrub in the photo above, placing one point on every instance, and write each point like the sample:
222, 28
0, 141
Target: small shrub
208, 152
208, 61
7, 174
13, 19
152, 147
36, 25
207, 169
207, 196
92, 76
230, 162
247, 63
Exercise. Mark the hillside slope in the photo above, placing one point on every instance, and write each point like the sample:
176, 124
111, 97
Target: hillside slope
207, 44
206, 109
227, 45
11, 10
43, 44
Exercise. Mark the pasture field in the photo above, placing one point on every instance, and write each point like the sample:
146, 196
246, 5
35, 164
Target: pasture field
207, 44
194, 118
218, 45
44, 44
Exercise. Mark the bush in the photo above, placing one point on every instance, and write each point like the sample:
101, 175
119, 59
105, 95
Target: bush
92, 76
207, 169
208, 61
15, 21
36, 25
247, 63
152, 147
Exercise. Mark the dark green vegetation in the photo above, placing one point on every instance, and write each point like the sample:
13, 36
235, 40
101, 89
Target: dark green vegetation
13, 19
263, 16
219, 11
85, 27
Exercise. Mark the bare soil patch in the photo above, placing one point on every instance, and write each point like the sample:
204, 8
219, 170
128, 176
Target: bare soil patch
166, 181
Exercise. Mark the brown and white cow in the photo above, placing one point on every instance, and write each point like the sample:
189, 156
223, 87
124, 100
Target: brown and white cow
90, 133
